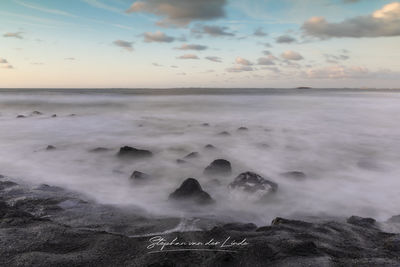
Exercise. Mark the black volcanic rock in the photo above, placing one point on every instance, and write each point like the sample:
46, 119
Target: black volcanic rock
137, 175
190, 189
218, 167
252, 182
295, 175
133, 153
192, 155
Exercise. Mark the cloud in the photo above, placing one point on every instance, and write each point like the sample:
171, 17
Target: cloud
124, 44
239, 68
267, 61
214, 59
44, 9
156, 64
350, 1
71, 58
243, 62
337, 72
192, 47
259, 32
7, 66
214, 31
17, 35
381, 23
285, 39
188, 56
266, 52
291, 55
180, 12
3, 61
98, 4
335, 58
158, 37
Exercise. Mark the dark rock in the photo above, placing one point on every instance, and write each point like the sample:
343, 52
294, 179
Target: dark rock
242, 129
224, 133
72, 115
218, 167
137, 175
394, 219
54, 115
210, 147
252, 182
36, 113
363, 222
295, 175
192, 155
50, 147
205, 124
190, 189
99, 149
6, 184
133, 153
180, 161
21, 116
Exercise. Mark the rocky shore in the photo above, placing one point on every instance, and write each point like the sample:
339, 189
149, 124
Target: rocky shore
50, 226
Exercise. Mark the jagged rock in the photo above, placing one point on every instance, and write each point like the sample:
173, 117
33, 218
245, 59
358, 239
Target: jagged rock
50, 147
295, 175
209, 147
218, 167
224, 133
99, 149
137, 175
192, 155
133, 153
363, 222
242, 227
252, 182
190, 189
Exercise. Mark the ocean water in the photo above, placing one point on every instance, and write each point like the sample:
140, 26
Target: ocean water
347, 142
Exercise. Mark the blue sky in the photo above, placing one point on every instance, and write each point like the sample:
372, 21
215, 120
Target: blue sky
208, 43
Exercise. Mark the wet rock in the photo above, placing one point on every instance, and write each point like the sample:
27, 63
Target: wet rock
394, 219
205, 124
48, 188
242, 227
50, 147
36, 113
180, 161
224, 133
363, 222
6, 184
218, 167
133, 153
252, 182
72, 115
209, 147
54, 115
295, 175
21, 116
99, 149
137, 175
243, 129
190, 189
192, 155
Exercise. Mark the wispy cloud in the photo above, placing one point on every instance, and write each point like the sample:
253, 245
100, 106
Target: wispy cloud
158, 37
44, 9
124, 44
188, 56
214, 59
101, 5
17, 35
192, 47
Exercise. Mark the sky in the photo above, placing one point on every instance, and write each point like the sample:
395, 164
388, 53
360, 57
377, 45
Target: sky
199, 43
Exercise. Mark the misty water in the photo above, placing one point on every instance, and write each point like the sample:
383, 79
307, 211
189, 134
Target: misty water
346, 142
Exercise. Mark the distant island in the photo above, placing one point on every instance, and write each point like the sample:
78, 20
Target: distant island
303, 87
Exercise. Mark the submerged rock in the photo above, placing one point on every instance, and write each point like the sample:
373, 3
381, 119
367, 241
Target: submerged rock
36, 113
50, 147
218, 167
99, 149
252, 182
180, 161
191, 189
21, 116
205, 124
133, 153
224, 133
242, 129
295, 175
54, 115
210, 147
137, 175
192, 155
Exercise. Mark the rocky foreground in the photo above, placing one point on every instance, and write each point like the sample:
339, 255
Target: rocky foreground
48, 226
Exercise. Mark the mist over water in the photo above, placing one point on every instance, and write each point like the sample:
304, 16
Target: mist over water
347, 143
